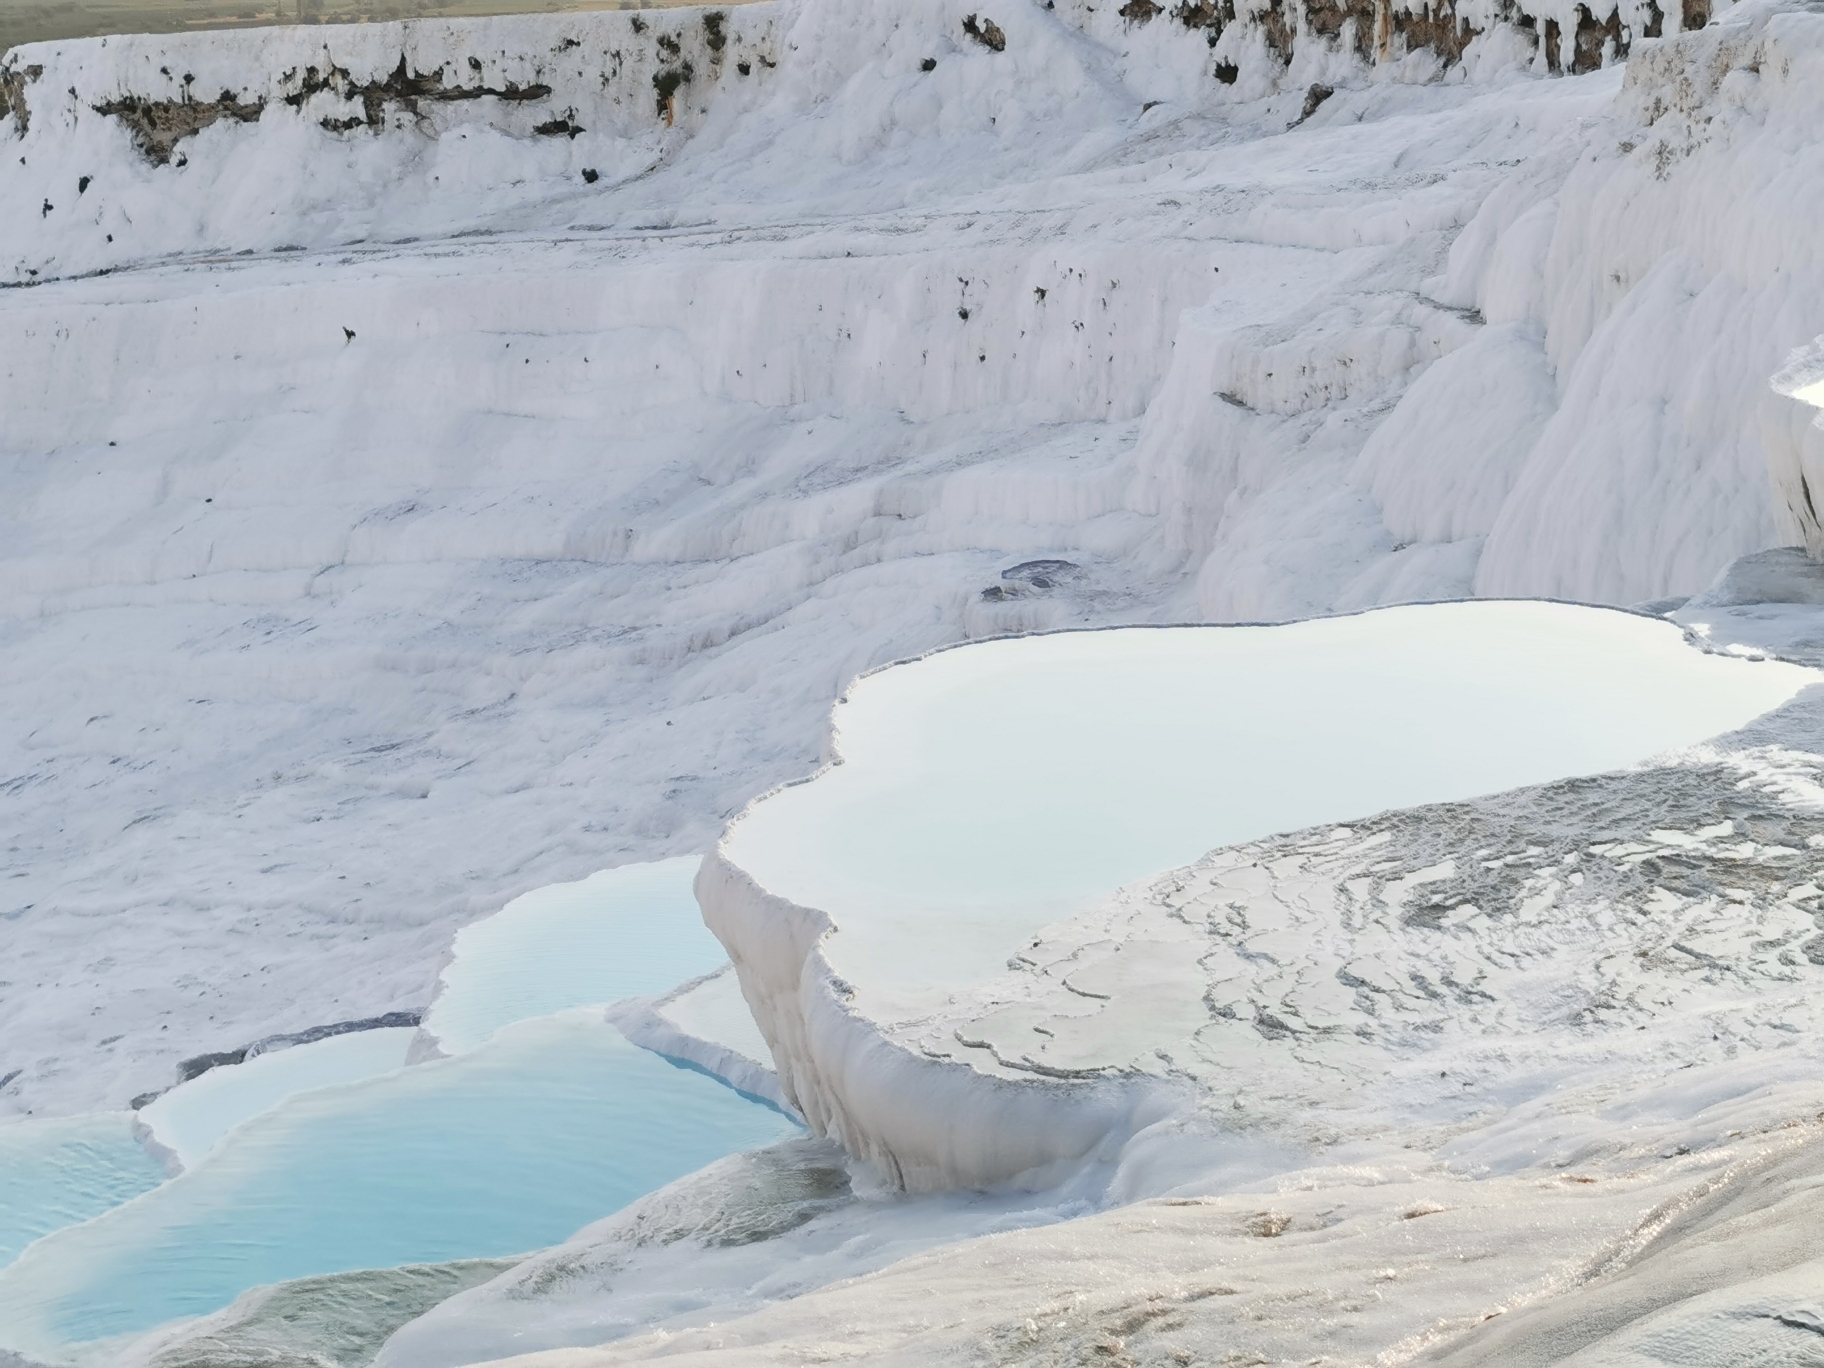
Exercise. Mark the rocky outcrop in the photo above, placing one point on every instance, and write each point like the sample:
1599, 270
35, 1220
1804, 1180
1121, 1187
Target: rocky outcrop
1255, 45
528, 74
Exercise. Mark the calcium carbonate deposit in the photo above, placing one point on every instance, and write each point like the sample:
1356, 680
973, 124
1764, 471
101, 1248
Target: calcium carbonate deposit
1026, 682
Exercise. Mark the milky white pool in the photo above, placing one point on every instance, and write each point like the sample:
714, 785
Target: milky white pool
988, 790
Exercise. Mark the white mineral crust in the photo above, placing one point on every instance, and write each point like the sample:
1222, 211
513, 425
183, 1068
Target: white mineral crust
473, 455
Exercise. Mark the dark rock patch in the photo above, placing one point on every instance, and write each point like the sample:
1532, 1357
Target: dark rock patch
986, 32
1594, 40
1279, 28
1329, 20
715, 33
1438, 29
564, 126
666, 84
1042, 574
158, 126
403, 88
1314, 100
12, 95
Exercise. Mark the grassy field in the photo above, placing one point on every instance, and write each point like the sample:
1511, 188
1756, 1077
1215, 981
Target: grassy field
28, 21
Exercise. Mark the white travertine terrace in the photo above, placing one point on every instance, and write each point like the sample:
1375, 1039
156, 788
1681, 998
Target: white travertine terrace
977, 795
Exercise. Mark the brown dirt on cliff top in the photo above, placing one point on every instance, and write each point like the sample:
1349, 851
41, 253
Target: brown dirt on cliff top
31, 21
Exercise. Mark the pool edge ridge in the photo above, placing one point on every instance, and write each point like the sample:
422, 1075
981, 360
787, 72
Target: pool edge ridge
1181, 624
643, 1022
927, 1124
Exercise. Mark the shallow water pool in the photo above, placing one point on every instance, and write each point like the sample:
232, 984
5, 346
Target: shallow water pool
194, 1117
634, 931
56, 1173
988, 790
555, 1123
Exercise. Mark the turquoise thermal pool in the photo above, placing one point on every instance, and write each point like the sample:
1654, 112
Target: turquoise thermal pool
331, 1156
629, 932
512, 1147
56, 1173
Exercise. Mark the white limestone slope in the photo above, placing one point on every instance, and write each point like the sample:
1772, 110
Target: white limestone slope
1676, 267
139, 146
977, 796
1374, 1260
559, 558
563, 554
1640, 278
1796, 440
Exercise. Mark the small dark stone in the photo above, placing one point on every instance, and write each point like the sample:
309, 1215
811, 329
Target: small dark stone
986, 32
1314, 99
929, 64
1041, 574
591, 175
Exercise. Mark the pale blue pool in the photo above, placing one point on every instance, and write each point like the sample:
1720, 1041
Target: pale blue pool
629, 932
56, 1173
553, 1124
